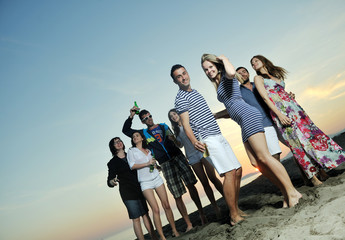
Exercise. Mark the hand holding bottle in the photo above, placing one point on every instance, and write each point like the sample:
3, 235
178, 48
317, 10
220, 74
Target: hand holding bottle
152, 163
134, 110
199, 146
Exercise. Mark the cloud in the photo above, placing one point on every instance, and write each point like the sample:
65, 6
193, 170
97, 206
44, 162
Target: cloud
332, 88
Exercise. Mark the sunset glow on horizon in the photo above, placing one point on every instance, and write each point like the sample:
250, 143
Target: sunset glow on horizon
71, 70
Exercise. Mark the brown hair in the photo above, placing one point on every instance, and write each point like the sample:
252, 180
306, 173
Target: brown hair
273, 70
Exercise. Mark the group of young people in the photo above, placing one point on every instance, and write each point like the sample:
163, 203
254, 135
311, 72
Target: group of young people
265, 113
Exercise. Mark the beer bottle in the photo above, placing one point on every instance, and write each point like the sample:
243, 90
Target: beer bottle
152, 167
135, 104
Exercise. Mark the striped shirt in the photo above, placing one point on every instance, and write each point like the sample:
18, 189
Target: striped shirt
201, 118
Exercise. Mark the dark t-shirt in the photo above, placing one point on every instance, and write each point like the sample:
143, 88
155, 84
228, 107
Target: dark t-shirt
128, 180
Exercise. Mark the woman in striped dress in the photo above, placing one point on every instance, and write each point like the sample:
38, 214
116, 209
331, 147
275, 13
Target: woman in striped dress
225, 79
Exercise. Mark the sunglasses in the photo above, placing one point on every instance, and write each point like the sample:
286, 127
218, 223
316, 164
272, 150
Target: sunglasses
145, 118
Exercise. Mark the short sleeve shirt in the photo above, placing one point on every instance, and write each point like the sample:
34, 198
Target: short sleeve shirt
201, 118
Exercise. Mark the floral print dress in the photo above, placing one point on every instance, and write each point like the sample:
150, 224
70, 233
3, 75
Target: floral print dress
308, 144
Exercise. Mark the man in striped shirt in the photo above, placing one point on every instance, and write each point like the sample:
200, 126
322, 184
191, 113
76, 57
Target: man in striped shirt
203, 131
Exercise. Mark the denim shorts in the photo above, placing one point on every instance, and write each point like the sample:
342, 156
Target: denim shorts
136, 208
195, 158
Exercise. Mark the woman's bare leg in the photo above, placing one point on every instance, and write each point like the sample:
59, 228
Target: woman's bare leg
162, 194
273, 169
149, 226
150, 197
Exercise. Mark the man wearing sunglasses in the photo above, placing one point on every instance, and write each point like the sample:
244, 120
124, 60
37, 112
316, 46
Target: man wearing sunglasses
175, 167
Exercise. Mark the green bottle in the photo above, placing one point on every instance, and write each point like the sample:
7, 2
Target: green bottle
135, 104
152, 167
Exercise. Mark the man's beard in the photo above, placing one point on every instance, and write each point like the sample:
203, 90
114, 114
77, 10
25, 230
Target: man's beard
245, 81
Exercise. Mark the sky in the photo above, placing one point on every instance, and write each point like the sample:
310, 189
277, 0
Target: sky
71, 70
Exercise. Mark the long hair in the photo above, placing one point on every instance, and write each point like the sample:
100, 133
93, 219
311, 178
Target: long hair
273, 70
174, 125
144, 143
112, 148
219, 66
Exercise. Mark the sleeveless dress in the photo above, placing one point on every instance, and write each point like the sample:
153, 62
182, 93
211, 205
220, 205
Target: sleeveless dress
245, 115
309, 145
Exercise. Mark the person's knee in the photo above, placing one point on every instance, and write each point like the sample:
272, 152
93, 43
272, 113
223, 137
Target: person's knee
229, 175
203, 179
166, 205
136, 220
155, 210
239, 172
262, 158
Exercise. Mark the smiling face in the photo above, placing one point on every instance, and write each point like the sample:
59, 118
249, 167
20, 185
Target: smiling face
243, 72
210, 69
147, 119
181, 78
257, 64
136, 138
118, 144
174, 116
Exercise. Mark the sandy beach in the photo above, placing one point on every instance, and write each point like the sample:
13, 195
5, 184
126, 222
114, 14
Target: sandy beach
320, 214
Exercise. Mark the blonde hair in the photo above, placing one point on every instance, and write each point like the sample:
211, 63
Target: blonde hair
220, 67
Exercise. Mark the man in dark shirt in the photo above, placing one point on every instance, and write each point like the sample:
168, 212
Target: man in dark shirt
175, 167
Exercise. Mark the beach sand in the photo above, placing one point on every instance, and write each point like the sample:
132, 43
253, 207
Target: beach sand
320, 214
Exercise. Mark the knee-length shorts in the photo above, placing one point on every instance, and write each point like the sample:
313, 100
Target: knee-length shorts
221, 155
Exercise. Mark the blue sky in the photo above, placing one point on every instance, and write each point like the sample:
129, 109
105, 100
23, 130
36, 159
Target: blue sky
71, 70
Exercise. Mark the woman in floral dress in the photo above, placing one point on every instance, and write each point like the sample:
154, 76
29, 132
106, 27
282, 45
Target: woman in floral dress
313, 149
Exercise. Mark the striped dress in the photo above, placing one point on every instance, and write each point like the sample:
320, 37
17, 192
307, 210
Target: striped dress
247, 116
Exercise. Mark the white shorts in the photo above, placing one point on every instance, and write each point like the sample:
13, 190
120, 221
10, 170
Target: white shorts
221, 155
280, 136
272, 140
154, 183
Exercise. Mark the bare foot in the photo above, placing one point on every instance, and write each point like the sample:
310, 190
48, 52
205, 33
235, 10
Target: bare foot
176, 234
242, 214
285, 203
189, 228
315, 181
293, 200
235, 220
